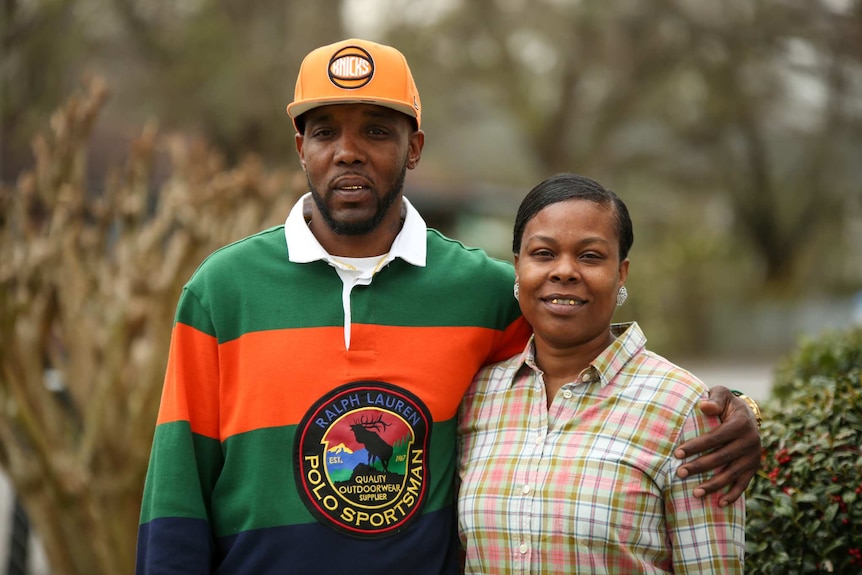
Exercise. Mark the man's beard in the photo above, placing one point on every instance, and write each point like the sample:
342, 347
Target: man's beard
366, 226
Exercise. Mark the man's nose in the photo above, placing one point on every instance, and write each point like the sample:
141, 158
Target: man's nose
350, 150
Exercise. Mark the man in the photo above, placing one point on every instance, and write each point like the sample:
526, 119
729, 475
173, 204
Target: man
307, 422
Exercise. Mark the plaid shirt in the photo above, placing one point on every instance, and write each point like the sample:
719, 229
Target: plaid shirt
589, 485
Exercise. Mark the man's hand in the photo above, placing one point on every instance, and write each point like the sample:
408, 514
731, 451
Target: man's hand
736, 443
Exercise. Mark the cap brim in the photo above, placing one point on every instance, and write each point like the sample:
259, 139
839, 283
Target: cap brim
295, 110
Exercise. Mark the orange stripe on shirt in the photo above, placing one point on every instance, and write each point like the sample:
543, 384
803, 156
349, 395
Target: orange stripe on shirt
190, 392
271, 378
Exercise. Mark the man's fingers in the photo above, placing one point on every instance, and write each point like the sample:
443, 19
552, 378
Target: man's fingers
712, 407
720, 397
724, 437
700, 444
717, 482
738, 482
706, 463
731, 451
735, 492
734, 474
736, 423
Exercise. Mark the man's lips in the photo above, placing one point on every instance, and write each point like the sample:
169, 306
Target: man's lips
352, 192
352, 183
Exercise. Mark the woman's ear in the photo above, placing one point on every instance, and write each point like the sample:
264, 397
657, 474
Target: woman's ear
624, 270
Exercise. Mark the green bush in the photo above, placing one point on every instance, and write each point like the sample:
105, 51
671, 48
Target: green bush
804, 508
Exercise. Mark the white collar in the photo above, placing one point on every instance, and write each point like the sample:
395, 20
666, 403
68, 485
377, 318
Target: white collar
303, 247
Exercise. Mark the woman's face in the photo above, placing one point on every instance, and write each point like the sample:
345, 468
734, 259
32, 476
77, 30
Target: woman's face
569, 273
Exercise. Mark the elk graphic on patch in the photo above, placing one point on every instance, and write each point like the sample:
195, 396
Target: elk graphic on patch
366, 432
361, 458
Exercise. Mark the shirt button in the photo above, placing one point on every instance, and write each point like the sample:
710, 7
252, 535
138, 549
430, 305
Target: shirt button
539, 439
523, 548
567, 394
526, 489
585, 377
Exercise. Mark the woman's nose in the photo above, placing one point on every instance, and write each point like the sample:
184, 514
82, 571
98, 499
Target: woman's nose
565, 269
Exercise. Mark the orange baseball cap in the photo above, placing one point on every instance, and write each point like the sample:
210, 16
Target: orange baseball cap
355, 72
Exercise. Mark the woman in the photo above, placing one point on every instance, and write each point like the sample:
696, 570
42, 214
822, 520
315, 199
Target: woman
567, 448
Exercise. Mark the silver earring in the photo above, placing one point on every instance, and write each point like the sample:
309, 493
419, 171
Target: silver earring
622, 295
515, 290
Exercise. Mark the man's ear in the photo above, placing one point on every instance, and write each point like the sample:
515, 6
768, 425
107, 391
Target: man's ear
414, 154
299, 141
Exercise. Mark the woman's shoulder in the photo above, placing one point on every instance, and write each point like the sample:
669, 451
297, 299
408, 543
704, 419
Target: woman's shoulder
665, 380
496, 377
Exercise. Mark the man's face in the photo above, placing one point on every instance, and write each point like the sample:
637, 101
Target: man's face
355, 157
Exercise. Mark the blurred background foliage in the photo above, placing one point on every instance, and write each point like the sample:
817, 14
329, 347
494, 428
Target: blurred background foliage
88, 285
733, 129
804, 507
138, 135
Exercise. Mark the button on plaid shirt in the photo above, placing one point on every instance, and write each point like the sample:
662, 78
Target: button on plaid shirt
590, 485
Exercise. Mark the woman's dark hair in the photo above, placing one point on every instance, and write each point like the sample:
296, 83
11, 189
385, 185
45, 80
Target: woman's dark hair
566, 186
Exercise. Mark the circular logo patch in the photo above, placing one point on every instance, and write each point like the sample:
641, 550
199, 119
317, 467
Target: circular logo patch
361, 457
351, 67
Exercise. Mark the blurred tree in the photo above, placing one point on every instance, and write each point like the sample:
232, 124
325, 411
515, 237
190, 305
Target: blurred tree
88, 284
756, 102
753, 102
223, 69
733, 131
777, 124
40, 49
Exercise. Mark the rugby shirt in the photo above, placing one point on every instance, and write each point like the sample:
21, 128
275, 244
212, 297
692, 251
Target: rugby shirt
279, 450
589, 485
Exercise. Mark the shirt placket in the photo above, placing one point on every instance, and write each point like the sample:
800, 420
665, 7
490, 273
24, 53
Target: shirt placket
527, 479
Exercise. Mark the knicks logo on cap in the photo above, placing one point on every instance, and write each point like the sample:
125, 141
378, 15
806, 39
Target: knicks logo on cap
351, 67
361, 459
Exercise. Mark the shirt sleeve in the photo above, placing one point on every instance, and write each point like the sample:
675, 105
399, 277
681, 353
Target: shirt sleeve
511, 341
705, 538
174, 534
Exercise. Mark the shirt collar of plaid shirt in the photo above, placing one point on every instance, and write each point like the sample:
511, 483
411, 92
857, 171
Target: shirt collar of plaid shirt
630, 340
